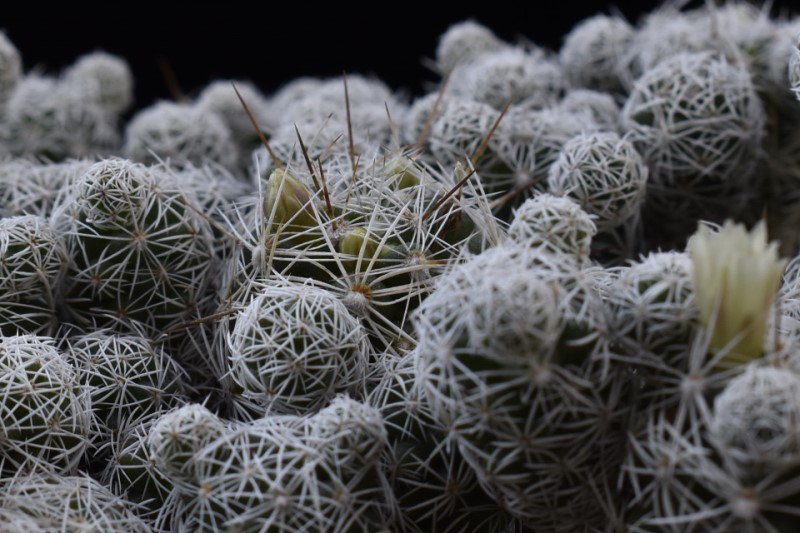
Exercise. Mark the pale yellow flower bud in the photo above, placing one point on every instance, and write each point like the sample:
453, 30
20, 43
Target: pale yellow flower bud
289, 201
736, 274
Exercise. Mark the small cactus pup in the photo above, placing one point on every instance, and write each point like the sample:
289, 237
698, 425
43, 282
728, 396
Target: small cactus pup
129, 380
45, 412
138, 252
511, 359
221, 98
295, 346
723, 262
522, 75
554, 222
605, 174
177, 437
435, 488
104, 77
69, 503
755, 419
463, 42
131, 472
30, 187
33, 259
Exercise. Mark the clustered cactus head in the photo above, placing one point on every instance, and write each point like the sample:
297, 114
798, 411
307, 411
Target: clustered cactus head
604, 173
295, 346
179, 134
503, 305
698, 122
138, 251
46, 414
33, 261
553, 222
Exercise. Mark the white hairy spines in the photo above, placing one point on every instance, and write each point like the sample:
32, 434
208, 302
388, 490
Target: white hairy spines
177, 437
295, 346
503, 351
602, 172
599, 107
28, 187
220, 97
524, 146
46, 117
139, 252
794, 69
128, 378
653, 307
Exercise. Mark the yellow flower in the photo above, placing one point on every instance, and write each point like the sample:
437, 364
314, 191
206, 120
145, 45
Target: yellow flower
736, 274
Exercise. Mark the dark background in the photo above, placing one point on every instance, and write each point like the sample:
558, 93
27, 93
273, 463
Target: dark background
271, 47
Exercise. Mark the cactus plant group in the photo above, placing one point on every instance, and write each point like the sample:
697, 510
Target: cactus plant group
557, 293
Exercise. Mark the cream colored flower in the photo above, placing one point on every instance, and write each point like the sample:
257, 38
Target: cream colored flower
736, 274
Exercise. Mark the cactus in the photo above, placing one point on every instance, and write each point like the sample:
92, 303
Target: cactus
483, 309
138, 251
294, 347
28, 187
181, 134
176, 439
594, 52
128, 379
107, 77
602, 172
69, 503
525, 77
463, 42
46, 414
10, 67
505, 358
436, 489
131, 473
45, 117
288, 473
33, 258
699, 124
555, 223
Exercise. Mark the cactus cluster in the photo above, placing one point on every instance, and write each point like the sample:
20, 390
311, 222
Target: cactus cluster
558, 293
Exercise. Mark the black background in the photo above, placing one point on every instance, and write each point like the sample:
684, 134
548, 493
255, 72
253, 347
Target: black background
275, 43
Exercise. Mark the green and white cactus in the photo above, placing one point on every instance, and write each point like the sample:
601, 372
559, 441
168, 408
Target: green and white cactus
485, 309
